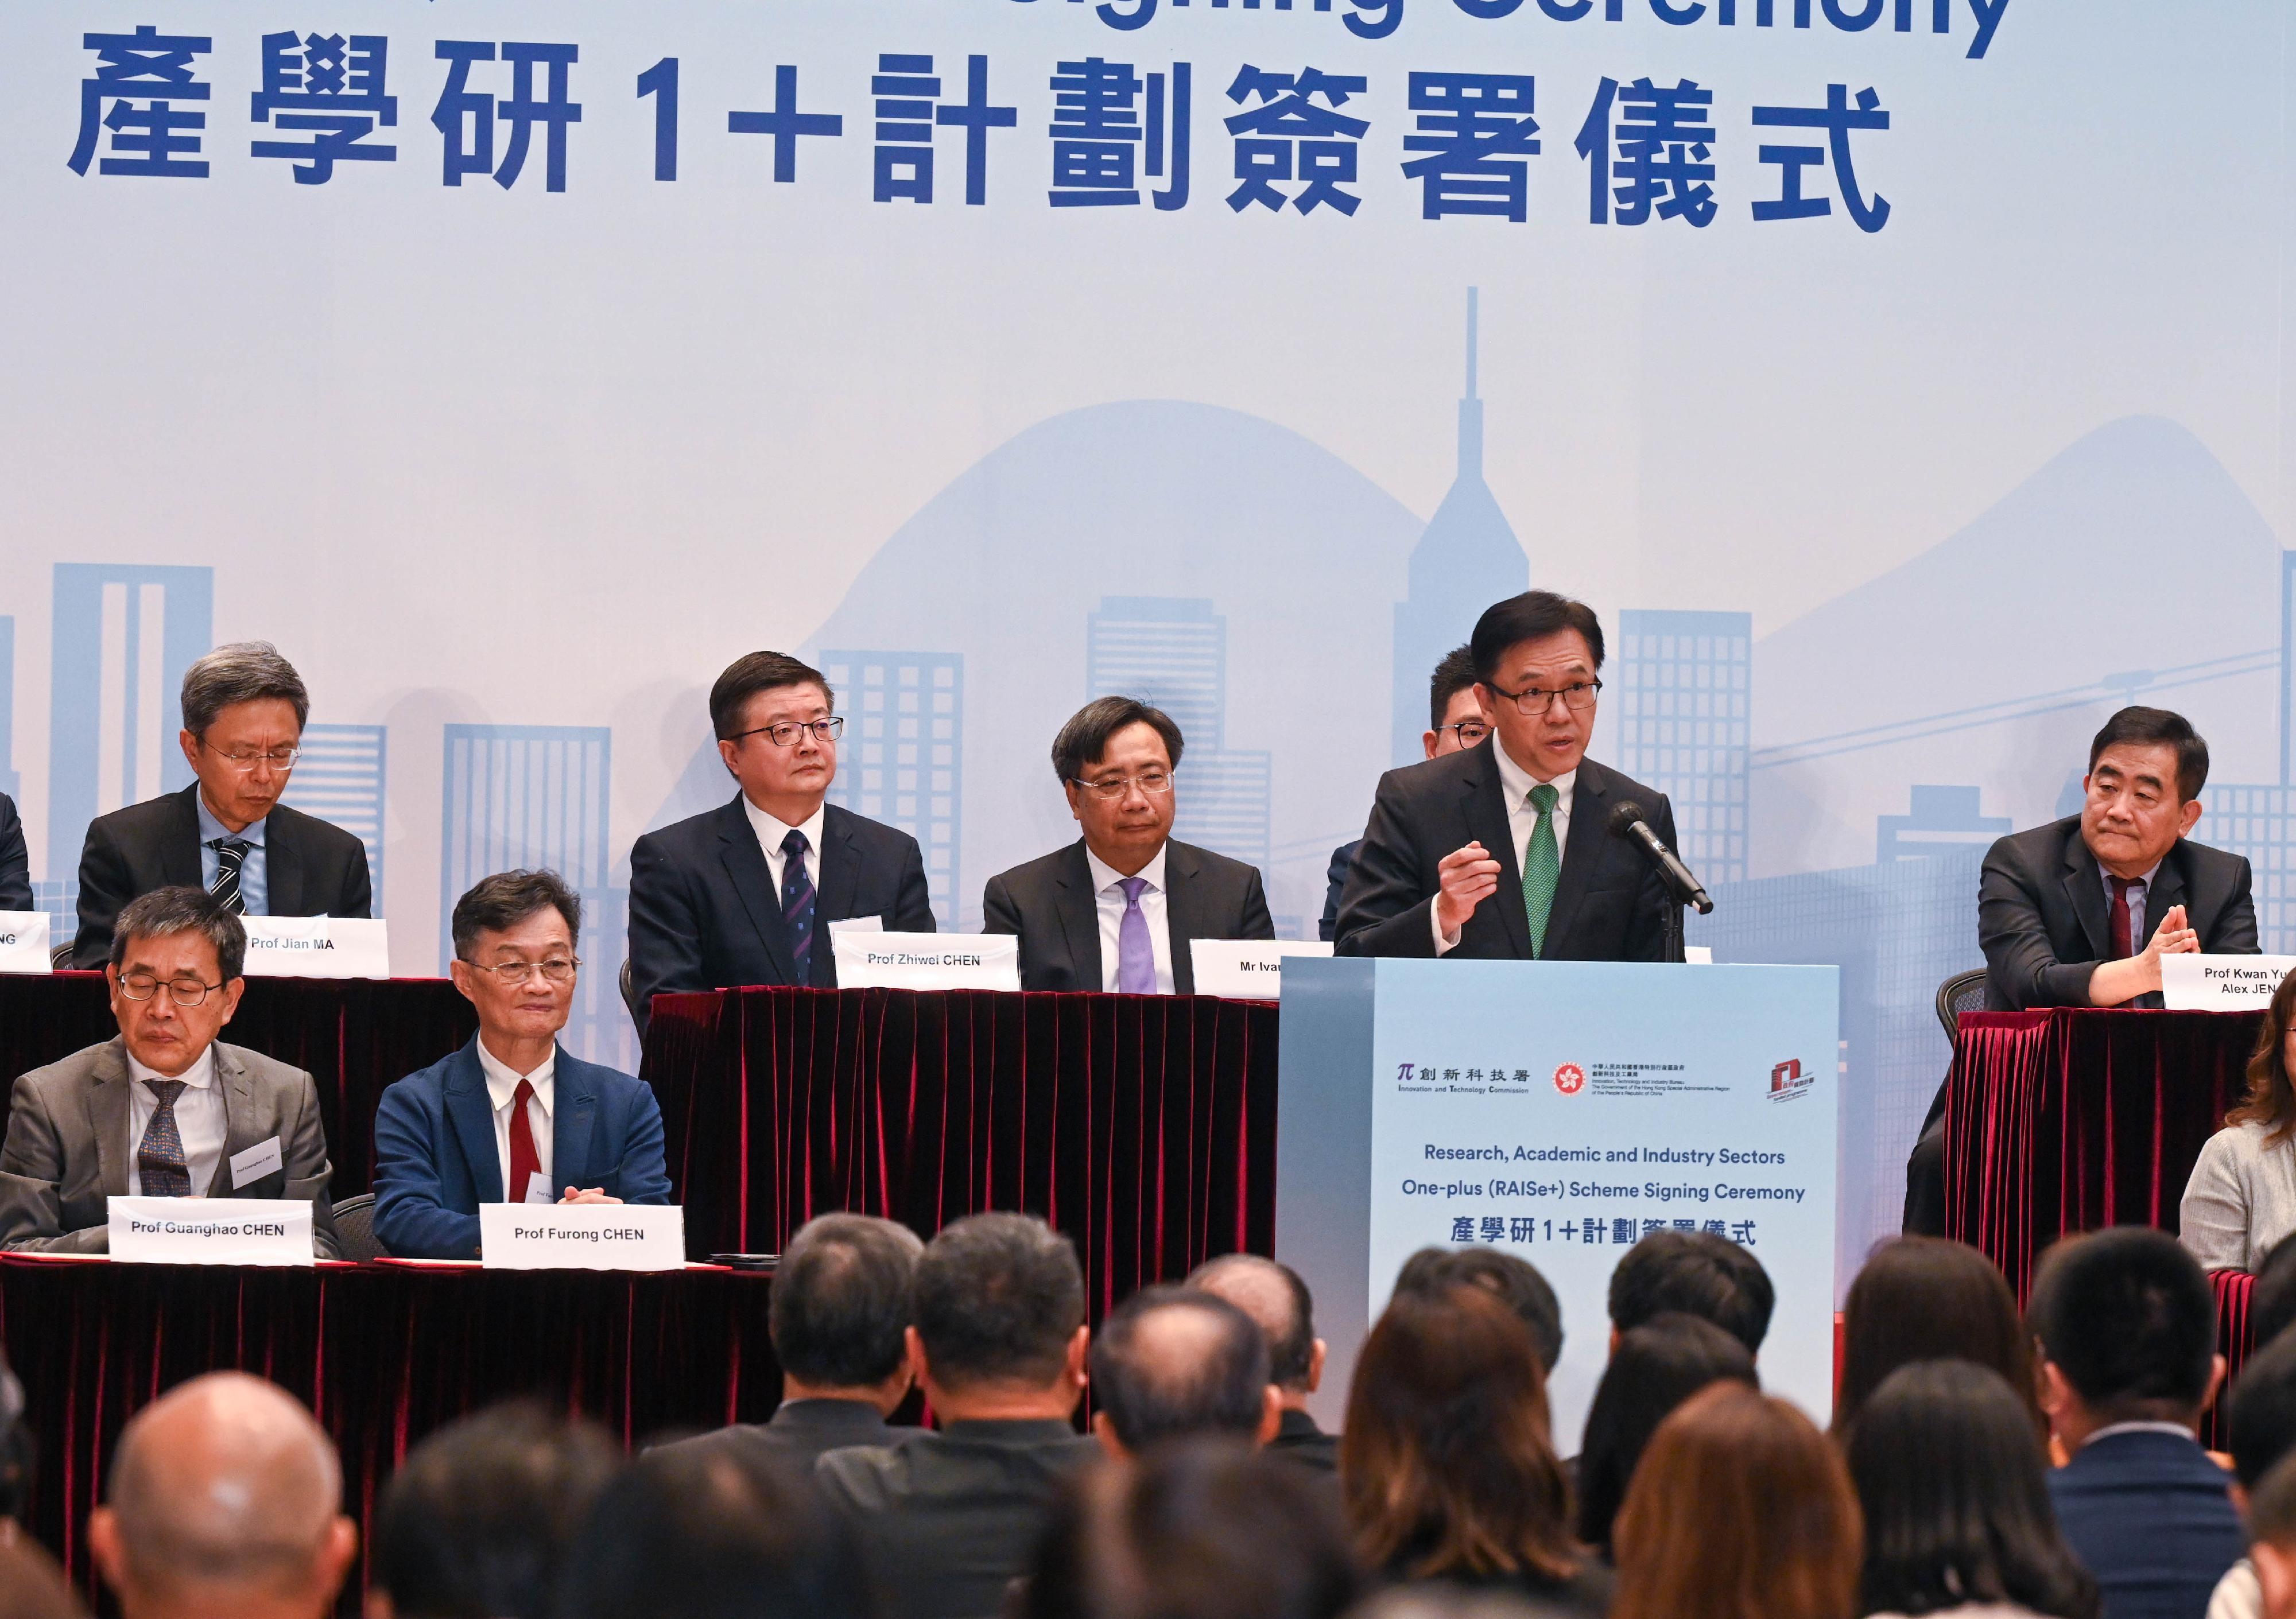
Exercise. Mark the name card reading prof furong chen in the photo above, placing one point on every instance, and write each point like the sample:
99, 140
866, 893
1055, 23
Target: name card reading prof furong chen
581, 1237
210, 1231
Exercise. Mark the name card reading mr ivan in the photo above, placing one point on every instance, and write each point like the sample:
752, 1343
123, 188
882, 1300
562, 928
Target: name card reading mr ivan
581, 1237
211, 1231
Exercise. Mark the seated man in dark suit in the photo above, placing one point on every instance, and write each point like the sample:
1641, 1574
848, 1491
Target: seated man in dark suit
511, 1117
1504, 851
839, 1321
1455, 721
1173, 1363
2128, 1331
2079, 913
244, 708
165, 1110
1279, 1303
745, 893
999, 1342
15, 865
1115, 909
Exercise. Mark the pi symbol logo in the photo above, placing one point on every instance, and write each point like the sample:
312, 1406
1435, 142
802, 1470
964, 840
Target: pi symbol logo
1403, 1073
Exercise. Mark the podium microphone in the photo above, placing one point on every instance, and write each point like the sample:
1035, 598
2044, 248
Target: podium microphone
1628, 822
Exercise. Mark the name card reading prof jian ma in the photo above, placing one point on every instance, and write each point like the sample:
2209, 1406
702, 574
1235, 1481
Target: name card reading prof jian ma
581, 1237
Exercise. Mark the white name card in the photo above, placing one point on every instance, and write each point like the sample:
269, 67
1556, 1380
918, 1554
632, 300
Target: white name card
581, 1237
2221, 984
927, 960
317, 947
24, 941
211, 1230
1246, 970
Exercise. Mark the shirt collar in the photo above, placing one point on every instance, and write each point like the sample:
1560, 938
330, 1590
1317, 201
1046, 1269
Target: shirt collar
1517, 782
2178, 1428
773, 831
212, 829
2143, 882
1105, 875
200, 1076
502, 1079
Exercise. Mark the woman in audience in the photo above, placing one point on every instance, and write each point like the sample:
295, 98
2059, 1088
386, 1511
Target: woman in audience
1447, 1468
1740, 1509
1655, 1368
1954, 1484
2241, 1197
1924, 1298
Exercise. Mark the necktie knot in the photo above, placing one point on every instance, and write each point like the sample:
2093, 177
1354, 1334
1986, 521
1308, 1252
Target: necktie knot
231, 854
1133, 888
793, 846
165, 1090
1544, 798
523, 1094
2121, 887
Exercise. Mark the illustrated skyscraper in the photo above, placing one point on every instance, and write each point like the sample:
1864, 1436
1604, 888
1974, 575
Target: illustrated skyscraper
340, 778
2259, 821
10, 782
1468, 559
1683, 696
902, 758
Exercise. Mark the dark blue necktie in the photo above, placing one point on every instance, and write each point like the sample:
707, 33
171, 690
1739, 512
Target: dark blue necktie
797, 905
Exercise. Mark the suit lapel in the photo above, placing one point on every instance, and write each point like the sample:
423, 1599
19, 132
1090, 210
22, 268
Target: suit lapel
472, 1113
837, 879
1582, 848
1074, 904
239, 1115
107, 1119
2167, 891
753, 884
1485, 812
1184, 916
574, 1106
179, 853
2084, 886
282, 869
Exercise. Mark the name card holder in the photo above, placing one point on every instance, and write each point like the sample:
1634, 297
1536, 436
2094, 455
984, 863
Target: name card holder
927, 960
581, 1237
211, 1231
24, 942
317, 947
2221, 984
1246, 970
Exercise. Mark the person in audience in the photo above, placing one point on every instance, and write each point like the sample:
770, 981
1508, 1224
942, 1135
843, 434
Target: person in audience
2240, 1202
165, 1109
1199, 1527
998, 1339
2272, 1299
1454, 722
839, 1318
1514, 1282
1692, 1273
684, 1532
480, 1519
1447, 1468
511, 1117
747, 893
2272, 1535
1170, 1363
2260, 1427
1924, 1298
1279, 1303
2126, 1323
225, 1499
1117, 909
1952, 1481
31, 1585
1653, 1369
1740, 1509
244, 708
15, 862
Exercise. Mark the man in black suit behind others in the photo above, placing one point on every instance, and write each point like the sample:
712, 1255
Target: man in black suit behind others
1451, 842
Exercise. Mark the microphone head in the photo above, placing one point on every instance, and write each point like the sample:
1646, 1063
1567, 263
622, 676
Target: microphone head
1625, 818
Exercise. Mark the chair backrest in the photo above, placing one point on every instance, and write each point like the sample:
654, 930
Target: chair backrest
629, 993
355, 1228
60, 955
1965, 992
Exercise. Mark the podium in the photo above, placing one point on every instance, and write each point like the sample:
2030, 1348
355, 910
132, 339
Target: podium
1560, 1111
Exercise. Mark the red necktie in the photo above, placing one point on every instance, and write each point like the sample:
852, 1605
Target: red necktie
525, 1163
2122, 949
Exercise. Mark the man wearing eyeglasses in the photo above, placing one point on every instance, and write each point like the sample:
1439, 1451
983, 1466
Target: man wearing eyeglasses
166, 1110
511, 1117
1502, 851
1115, 909
243, 709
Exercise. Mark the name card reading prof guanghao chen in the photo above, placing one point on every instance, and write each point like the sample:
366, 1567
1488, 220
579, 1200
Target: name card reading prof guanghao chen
928, 960
211, 1231
581, 1237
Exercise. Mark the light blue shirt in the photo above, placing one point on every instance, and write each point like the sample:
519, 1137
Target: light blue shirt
2138, 888
254, 873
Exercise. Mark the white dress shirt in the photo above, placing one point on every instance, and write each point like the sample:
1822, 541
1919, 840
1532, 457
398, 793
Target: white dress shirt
1108, 898
772, 830
1515, 783
502, 1091
200, 1120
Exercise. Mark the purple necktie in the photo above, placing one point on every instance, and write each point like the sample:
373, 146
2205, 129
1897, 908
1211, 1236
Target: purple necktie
1135, 957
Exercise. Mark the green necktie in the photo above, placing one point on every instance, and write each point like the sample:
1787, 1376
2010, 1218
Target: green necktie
1542, 865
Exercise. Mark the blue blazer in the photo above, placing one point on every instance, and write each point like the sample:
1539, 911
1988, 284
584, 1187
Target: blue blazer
2149, 1514
434, 1149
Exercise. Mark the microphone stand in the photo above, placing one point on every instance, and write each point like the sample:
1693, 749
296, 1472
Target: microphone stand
1675, 951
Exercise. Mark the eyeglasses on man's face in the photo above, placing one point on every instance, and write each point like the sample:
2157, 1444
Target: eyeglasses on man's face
183, 991
1531, 701
247, 762
1153, 782
1471, 731
786, 732
558, 969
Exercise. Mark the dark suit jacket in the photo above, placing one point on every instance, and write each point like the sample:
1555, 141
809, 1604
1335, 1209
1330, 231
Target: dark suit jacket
1049, 903
67, 1152
2044, 923
705, 915
15, 865
801, 1432
1299, 1441
310, 868
1335, 888
2148, 1515
949, 1519
1609, 905
434, 1149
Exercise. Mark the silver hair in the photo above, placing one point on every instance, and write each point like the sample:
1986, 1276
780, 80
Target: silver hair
244, 672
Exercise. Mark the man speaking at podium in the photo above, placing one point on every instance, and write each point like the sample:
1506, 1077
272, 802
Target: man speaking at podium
1504, 850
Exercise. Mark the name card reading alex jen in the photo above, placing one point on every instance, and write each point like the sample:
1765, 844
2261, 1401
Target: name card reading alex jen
2221, 984
581, 1237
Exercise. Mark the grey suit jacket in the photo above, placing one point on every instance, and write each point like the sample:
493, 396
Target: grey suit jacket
68, 1151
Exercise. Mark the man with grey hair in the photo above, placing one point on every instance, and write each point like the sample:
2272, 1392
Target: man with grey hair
243, 709
165, 1109
225, 1502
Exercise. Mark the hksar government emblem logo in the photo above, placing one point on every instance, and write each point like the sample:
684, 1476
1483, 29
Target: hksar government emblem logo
1571, 1079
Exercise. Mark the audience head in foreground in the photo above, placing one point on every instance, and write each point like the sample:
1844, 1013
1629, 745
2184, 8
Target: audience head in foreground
2272, 1528
840, 1314
2261, 1422
1924, 1298
1514, 1282
224, 1503
1654, 1369
1172, 1362
1275, 1298
996, 1318
1740, 1509
1693, 1274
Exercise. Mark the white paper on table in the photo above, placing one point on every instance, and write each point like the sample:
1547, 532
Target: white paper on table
1246, 970
2221, 984
24, 942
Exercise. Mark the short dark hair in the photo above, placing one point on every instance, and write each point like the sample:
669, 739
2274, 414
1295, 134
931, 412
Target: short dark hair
507, 898
2272, 1506
244, 672
2158, 727
1929, 1298
2127, 1316
2272, 1301
997, 1299
1655, 1368
480, 1517
1157, 1385
756, 672
2262, 1418
1699, 1273
1083, 741
1290, 1328
1452, 676
1534, 614
840, 1301
1513, 1280
182, 910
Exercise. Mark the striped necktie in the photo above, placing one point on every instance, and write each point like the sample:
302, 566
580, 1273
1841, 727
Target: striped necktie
1542, 865
797, 905
231, 854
